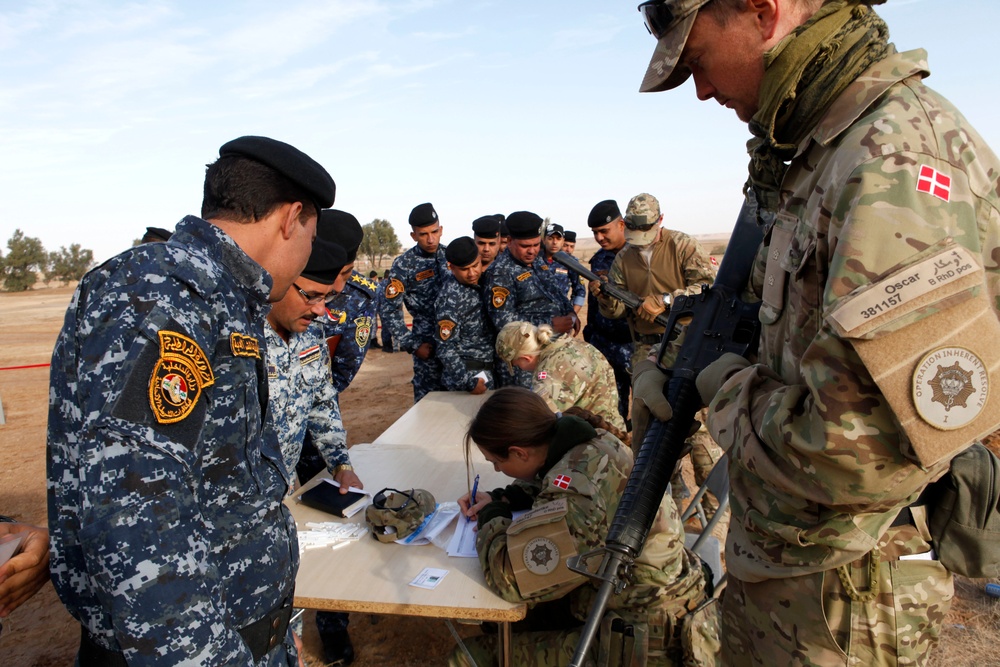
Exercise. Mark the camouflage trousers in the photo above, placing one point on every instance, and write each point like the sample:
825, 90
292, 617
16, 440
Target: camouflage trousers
812, 620
426, 377
704, 455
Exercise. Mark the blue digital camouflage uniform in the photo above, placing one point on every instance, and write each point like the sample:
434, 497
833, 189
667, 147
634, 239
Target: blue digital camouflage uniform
386, 341
518, 293
164, 485
415, 279
352, 317
303, 398
465, 336
611, 337
567, 282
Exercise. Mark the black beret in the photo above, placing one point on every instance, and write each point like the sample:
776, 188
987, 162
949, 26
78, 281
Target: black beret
504, 232
603, 213
570, 236
342, 228
462, 251
423, 215
154, 234
325, 261
486, 227
288, 161
553, 229
524, 225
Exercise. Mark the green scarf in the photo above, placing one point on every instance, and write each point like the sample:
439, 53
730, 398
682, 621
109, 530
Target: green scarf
570, 432
803, 75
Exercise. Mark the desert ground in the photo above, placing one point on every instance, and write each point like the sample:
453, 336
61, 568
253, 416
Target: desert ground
42, 634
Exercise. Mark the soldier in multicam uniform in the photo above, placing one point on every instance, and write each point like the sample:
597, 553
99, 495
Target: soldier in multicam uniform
657, 265
610, 336
415, 279
465, 335
870, 186
303, 399
565, 371
518, 288
571, 476
170, 542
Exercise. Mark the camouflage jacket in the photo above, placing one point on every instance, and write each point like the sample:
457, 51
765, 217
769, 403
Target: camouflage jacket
611, 330
591, 477
165, 487
571, 372
515, 292
414, 279
678, 265
302, 397
352, 317
820, 464
465, 336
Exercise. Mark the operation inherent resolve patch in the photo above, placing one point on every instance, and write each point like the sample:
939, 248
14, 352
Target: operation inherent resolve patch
178, 377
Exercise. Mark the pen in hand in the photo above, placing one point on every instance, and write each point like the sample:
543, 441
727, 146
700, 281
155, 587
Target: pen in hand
472, 496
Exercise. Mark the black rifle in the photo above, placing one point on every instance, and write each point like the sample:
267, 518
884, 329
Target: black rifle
620, 293
720, 322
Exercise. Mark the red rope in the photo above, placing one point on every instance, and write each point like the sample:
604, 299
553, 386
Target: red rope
17, 368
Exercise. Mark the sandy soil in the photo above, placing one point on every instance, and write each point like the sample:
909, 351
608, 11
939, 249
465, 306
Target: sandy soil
41, 633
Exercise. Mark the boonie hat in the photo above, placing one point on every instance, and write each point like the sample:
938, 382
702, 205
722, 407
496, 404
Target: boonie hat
670, 22
395, 515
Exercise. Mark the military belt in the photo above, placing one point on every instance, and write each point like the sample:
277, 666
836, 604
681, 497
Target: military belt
477, 365
260, 637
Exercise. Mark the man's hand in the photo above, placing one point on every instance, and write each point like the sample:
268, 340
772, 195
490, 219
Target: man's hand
648, 400
564, 323
650, 308
480, 387
25, 573
425, 351
594, 287
577, 324
346, 479
710, 380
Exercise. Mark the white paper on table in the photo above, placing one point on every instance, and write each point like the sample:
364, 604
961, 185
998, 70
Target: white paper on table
463, 542
481, 375
433, 525
429, 577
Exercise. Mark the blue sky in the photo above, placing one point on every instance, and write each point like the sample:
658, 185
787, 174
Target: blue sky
110, 110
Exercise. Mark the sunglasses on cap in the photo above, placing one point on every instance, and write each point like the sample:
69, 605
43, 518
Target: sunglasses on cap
638, 223
379, 499
658, 17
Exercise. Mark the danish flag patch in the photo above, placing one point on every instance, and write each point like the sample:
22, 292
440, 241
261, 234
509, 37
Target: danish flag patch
562, 481
542, 375
933, 182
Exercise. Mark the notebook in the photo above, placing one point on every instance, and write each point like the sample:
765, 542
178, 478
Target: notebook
326, 496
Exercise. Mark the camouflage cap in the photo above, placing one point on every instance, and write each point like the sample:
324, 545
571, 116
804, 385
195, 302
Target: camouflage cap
395, 515
641, 218
670, 22
511, 340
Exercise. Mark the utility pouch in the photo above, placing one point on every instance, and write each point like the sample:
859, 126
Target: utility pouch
700, 641
622, 644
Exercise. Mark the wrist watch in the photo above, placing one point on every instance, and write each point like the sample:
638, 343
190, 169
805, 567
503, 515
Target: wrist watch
668, 299
342, 467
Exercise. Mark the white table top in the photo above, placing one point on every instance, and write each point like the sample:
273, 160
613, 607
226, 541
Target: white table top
373, 577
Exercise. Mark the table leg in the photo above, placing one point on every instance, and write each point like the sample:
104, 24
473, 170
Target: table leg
503, 645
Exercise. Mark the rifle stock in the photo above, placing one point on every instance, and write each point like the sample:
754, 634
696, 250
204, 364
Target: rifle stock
631, 300
720, 322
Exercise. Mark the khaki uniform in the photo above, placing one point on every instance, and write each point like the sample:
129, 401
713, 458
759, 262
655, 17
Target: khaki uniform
820, 465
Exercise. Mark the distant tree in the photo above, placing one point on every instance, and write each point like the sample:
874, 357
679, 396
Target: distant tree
68, 265
379, 241
26, 257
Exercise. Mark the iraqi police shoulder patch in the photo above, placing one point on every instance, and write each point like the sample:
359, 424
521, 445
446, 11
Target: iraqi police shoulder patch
445, 329
362, 330
500, 295
244, 346
394, 289
178, 377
